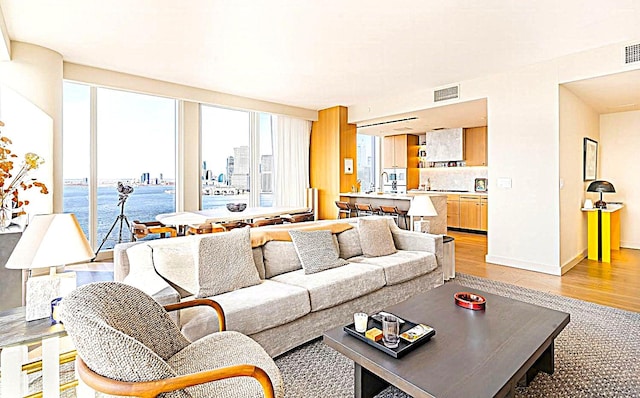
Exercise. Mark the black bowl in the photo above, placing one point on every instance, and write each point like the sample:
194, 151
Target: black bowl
235, 207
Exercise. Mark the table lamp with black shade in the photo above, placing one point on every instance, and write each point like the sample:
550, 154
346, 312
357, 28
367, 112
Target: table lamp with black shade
601, 186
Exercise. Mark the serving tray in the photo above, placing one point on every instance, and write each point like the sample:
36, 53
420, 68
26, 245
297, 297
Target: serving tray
403, 346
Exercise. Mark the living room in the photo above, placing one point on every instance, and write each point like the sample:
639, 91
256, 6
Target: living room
536, 118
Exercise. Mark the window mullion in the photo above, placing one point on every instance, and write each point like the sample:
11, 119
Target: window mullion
93, 166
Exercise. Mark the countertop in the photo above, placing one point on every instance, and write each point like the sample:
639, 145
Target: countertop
393, 196
417, 191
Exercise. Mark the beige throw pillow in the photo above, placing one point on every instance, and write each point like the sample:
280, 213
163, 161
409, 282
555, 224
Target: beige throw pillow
375, 237
225, 263
316, 250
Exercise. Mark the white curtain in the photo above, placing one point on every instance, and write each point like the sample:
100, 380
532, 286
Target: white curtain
291, 140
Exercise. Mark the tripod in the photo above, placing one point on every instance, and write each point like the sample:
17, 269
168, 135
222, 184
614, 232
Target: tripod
120, 218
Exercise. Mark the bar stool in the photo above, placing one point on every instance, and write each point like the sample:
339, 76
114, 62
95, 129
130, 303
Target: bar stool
365, 209
343, 208
389, 211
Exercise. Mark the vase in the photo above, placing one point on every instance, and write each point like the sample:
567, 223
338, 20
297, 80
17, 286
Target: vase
6, 211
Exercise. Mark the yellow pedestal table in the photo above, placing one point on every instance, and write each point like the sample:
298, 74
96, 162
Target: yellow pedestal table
603, 232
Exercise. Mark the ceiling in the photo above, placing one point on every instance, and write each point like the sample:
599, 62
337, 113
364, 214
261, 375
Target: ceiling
618, 92
463, 114
318, 54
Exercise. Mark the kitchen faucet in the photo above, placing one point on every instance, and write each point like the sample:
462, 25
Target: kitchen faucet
386, 179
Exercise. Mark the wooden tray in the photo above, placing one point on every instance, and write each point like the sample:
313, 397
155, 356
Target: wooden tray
403, 346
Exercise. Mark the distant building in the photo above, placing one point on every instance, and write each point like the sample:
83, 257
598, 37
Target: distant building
145, 178
240, 172
230, 168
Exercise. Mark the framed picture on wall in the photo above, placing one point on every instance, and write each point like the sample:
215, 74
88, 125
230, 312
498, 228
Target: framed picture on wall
590, 156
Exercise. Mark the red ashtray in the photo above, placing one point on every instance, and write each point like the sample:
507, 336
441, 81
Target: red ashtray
471, 301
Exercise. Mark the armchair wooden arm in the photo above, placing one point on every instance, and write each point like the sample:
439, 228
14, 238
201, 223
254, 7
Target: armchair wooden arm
150, 389
222, 322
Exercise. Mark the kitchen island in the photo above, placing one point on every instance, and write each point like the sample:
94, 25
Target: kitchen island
438, 224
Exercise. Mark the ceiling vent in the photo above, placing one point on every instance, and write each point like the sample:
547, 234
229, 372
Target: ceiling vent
388, 122
632, 53
447, 93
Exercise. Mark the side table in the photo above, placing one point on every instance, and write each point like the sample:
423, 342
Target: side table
16, 334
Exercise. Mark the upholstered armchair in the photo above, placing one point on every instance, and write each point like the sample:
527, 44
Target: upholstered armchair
128, 345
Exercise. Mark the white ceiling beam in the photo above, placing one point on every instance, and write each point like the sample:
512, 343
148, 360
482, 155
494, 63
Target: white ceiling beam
5, 45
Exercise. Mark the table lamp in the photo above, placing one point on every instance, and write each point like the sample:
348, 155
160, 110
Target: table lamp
47, 242
601, 186
421, 206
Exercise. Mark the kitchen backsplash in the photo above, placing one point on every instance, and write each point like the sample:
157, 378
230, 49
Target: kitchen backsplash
453, 178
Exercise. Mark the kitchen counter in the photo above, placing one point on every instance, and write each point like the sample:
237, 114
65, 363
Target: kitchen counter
417, 191
403, 202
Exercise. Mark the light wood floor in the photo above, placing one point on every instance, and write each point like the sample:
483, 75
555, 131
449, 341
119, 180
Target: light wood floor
616, 284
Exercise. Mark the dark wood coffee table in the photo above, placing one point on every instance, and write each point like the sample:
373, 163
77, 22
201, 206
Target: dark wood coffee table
473, 354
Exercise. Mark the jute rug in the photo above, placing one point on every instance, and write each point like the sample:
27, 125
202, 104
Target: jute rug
596, 355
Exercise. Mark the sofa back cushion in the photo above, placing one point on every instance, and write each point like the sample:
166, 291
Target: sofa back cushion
279, 257
225, 262
316, 250
173, 260
375, 236
349, 242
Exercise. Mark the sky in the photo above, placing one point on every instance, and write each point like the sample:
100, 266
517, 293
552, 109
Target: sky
136, 134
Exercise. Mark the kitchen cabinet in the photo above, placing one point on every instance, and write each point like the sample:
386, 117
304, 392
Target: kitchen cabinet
472, 210
475, 146
398, 151
453, 211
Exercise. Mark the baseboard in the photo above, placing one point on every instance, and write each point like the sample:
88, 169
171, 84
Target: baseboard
572, 263
629, 245
510, 262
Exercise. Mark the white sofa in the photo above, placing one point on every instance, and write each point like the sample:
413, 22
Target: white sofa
288, 307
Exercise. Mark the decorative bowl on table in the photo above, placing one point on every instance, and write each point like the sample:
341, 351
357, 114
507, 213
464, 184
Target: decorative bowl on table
236, 207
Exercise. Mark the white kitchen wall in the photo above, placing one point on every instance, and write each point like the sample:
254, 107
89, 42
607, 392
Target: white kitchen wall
452, 178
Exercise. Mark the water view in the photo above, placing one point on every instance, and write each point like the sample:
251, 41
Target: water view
143, 204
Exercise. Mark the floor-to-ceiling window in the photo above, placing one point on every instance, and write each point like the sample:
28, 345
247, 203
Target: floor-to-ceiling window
366, 161
119, 158
235, 145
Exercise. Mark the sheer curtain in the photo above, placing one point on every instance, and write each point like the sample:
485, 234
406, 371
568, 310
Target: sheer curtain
291, 140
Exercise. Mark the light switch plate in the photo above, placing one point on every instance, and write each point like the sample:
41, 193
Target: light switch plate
504, 182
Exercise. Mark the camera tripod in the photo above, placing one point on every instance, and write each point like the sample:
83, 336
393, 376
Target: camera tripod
121, 218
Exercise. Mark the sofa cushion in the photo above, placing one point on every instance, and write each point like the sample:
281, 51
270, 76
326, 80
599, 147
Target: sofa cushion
279, 257
249, 310
258, 261
337, 285
401, 266
349, 242
316, 250
173, 260
375, 237
225, 262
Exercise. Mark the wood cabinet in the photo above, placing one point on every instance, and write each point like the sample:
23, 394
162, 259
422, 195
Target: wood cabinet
399, 151
473, 212
475, 146
453, 211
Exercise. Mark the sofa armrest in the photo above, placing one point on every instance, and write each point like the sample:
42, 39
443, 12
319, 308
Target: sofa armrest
410, 240
121, 260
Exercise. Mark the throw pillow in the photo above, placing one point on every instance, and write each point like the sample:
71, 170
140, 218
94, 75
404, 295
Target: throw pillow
225, 262
316, 250
375, 237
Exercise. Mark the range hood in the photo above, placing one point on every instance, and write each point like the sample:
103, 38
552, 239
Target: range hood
444, 145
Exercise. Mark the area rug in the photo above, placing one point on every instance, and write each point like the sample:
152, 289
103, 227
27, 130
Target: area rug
596, 355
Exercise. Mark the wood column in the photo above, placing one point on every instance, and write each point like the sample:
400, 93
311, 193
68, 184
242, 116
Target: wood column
332, 140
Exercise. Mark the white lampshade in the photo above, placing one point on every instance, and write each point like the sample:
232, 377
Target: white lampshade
422, 206
49, 241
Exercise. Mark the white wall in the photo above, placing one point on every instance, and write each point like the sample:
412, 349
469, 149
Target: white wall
523, 145
619, 148
32, 112
577, 121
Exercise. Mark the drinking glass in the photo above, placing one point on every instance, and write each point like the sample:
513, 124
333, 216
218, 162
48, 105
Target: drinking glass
390, 331
360, 319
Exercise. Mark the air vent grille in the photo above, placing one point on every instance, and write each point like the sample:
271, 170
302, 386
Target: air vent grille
446, 93
632, 53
